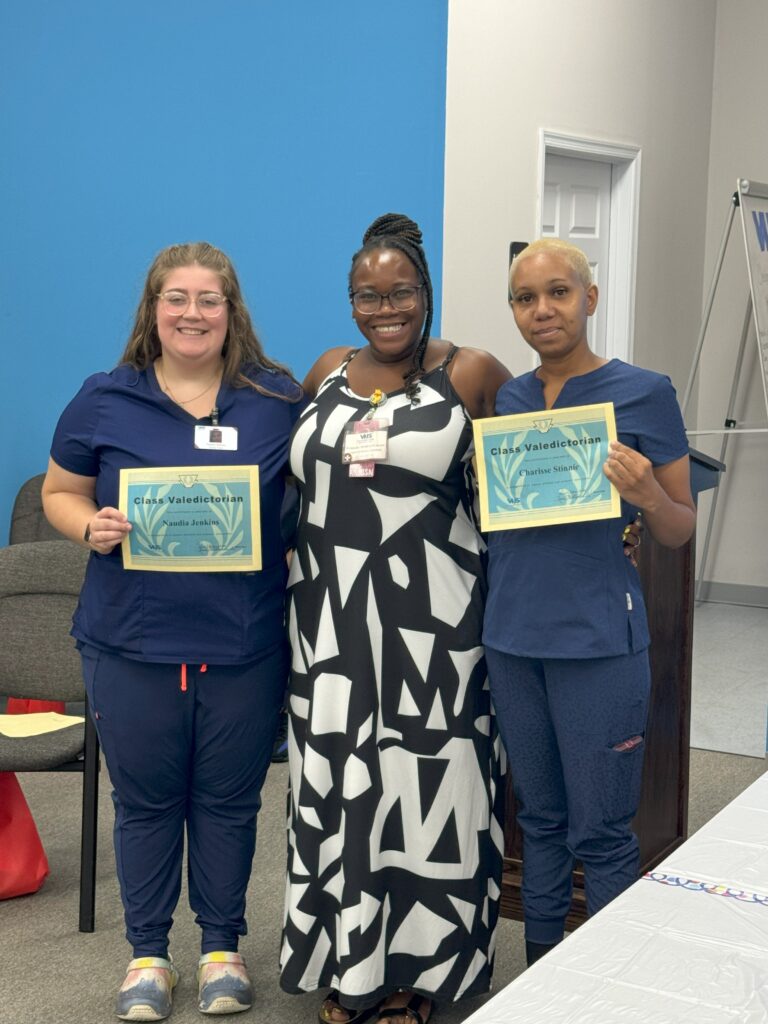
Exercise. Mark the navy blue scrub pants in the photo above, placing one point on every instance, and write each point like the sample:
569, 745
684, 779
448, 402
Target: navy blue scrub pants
194, 757
573, 730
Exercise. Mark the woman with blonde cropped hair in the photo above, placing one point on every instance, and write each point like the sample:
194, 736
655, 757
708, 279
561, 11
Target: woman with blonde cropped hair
565, 630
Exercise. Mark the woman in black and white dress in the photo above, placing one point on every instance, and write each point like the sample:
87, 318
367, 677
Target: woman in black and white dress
395, 839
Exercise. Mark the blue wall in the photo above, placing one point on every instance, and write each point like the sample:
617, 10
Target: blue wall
276, 129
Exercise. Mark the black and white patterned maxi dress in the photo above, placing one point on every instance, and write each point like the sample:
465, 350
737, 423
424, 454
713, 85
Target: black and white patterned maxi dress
395, 837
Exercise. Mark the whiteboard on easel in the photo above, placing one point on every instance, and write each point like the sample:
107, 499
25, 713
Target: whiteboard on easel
753, 203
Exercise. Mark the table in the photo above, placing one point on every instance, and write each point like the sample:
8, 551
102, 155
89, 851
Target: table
686, 944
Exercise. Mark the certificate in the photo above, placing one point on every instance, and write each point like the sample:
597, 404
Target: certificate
192, 518
546, 467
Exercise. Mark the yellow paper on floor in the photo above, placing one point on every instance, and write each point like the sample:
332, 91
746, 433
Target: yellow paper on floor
18, 726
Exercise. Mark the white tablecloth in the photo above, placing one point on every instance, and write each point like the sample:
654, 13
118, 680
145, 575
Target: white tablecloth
686, 944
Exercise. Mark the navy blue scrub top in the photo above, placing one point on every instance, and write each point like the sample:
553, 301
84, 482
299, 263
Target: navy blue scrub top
122, 420
568, 591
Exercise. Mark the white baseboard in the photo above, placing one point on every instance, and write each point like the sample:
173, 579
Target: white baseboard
732, 593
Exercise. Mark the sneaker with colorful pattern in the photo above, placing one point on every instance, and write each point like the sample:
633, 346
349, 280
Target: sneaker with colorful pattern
147, 992
224, 985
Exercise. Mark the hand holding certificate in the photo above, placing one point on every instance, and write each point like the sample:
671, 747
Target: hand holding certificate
192, 518
545, 467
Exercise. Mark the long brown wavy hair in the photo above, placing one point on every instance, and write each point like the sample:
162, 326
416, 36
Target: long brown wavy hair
242, 347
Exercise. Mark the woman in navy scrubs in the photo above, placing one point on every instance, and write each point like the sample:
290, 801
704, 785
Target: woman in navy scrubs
185, 672
565, 627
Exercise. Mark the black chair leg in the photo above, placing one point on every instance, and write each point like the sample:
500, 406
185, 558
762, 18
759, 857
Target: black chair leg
89, 829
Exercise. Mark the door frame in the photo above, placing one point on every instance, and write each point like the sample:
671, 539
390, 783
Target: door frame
623, 234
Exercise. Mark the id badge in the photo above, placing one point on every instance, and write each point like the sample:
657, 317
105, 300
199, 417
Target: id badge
216, 438
364, 444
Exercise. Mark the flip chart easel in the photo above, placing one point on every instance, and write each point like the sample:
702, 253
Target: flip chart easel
751, 199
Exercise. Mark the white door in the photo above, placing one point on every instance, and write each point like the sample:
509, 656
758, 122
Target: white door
576, 207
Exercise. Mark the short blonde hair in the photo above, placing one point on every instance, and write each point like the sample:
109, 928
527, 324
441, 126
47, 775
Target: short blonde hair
572, 255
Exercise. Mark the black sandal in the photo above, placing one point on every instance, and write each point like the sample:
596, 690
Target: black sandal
355, 1017
410, 1010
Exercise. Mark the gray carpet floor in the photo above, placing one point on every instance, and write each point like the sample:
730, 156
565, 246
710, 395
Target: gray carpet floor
52, 974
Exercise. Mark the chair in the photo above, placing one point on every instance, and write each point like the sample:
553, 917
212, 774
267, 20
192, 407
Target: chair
39, 585
28, 521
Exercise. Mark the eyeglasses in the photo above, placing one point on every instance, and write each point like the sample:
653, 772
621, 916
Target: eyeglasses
402, 298
209, 304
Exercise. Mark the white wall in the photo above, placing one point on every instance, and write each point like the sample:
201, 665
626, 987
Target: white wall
686, 81
738, 148
615, 70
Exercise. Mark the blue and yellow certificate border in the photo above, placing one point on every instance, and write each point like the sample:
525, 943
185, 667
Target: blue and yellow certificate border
192, 518
545, 467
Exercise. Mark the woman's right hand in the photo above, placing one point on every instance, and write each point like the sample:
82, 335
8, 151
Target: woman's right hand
69, 502
107, 529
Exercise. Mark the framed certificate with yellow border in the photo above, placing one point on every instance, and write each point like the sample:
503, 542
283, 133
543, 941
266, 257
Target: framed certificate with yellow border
546, 467
192, 518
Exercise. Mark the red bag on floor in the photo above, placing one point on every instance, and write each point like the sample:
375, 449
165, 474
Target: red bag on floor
22, 706
23, 864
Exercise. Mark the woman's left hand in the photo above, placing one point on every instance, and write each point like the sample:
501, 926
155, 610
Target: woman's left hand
631, 474
663, 493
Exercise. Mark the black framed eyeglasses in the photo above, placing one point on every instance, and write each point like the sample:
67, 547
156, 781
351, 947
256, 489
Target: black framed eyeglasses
402, 298
209, 304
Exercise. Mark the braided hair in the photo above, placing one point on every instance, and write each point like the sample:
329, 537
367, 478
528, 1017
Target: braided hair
396, 231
